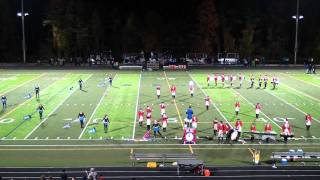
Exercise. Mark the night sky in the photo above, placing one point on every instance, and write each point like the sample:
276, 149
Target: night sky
249, 27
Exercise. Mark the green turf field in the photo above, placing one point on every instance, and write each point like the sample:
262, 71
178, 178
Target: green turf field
35, 142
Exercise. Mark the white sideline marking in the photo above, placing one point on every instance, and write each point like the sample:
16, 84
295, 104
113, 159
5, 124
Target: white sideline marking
212, 103
135, 113
56, 108
16, 87
95, 109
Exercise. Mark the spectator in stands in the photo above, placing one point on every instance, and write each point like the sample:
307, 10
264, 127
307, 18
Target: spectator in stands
92, 174
64, 176
101, 177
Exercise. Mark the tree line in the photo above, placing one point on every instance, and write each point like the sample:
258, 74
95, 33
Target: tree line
252, 28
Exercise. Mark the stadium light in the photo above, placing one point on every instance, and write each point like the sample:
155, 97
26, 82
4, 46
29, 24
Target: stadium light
297, 17
22, 14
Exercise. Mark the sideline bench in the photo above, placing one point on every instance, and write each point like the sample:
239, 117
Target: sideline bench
162, 157
295, 155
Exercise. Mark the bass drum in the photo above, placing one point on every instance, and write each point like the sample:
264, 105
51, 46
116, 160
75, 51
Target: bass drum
234, 135
189, 137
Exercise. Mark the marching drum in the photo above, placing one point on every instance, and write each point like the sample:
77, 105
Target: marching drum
234, 135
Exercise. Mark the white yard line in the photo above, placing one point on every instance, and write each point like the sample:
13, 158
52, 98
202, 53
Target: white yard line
95, 109
137, 103
56, 108
302, 93
211, 103
254, 106
290, 76
23, 84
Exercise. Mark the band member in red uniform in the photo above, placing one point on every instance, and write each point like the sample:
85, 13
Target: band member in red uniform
164, 122
162, 108
158, 91
140, 116
268, 128
237, 108
238, 126
258, 109
253, 128
215, 79
207, 102
194, 122
286, 130
173, 90
308, 121
221, 129
148, 109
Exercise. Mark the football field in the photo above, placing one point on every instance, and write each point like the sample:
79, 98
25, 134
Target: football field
58, 140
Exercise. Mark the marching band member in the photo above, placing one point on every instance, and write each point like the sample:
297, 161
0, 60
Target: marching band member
215, 126
140, 116
241, 78
222, 79
173, 90
156, 128
164, 122
253, 128
207, 102
237, 108
238, 126
265, 80
216, 79
286, 130
258, 109
251, 81
268, 128
158, 91
308, 121
208, 80
260, 81
194, 122
162, 108
227, 132
221, 129
148, 109
231, 80
148, 117
189, 113
191, 88
275, 81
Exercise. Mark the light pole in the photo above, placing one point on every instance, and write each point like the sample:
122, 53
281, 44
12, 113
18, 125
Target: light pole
23, 14
297, 17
